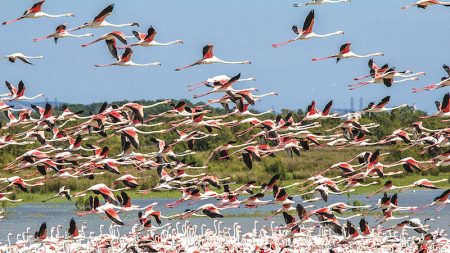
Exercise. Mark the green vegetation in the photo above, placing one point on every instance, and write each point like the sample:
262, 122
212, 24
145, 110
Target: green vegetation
291, 169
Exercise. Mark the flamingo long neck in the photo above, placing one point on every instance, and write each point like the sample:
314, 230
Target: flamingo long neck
35, 57
366, 56
397, 107
262, 113
406, 79
264, 95
156, 43
409, 75
329, 34
231, 62
56, 15
104, 23
153, 105
144, 64
335, 1
247, 79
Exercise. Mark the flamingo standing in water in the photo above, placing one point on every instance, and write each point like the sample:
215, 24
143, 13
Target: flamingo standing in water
36, 12
99, 20
148, 40
61, 32
125, 60
423, 4
445, 82
306, 33
13, 57
210, 58
319, 2
345, 52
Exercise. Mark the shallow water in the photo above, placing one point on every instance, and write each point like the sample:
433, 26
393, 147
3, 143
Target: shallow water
18, 218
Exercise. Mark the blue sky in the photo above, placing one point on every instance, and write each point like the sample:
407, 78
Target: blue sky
414, 39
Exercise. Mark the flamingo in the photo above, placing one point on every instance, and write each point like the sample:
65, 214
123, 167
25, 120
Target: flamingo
111, 213
425, 183
386, 76
20, 182
441, 201
61, 32
148, 40
388, 186
99, 20
220, 78
445, 82
306, 33
345, 52
36, 12
210, 58
109, 36
423, 4
4, 198
24, 58
443, 108
62, 192
18, 93
314, 114
222, 87
103, 190
125, 60
381, 106
319, 2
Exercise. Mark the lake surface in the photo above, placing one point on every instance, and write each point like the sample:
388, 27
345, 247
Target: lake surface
18, 218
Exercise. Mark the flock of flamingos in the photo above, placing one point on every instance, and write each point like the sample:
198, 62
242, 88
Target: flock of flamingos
63, 151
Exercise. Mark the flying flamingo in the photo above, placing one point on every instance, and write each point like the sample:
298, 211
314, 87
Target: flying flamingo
220, 78
111, 213
148, 40
307, 32
221, 87
314, 114
210, 58
443, 108
441, 201
125, 60
445, 82
62, 192
13, 57
109, 36
18, 93
425, 183
20, 182
345, 52
381, 106
387, 78
36, 12
388, 186
61, 32
4, 198
103, 190
99, 20
423, 4
319, 2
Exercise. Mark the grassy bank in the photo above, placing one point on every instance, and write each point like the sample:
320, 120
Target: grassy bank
291, 169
